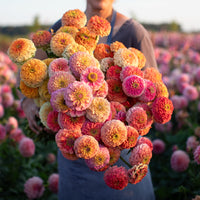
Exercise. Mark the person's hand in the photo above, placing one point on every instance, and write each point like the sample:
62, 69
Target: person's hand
31, 111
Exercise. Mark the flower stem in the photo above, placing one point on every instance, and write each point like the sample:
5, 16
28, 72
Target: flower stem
125, 162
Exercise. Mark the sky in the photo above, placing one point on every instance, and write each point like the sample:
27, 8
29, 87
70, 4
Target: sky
23, 12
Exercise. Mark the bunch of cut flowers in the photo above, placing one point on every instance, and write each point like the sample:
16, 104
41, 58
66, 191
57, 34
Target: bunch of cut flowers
97, 99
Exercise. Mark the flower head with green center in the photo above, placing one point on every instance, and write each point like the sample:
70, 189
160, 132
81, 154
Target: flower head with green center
78, 96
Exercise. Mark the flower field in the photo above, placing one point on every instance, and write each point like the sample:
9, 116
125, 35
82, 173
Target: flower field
28, 160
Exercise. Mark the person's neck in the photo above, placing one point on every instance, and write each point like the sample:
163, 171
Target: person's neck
107, 13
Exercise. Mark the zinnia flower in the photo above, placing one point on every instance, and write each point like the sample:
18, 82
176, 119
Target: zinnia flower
79, 61
145, 140
52, 121
114, 155
102, 91
136, 117
43, 90
86, 147
99, 110
196, 155
113, 133
116, 107
116, 177
100, 160
34, 187
161, 89
191, 92
68, 29
65, 139
71, 123
75, 18
58, 64
140, 154
59, 42
33, 72
152, 74
78, 96
99, 26
26, 147
124, 57
21, 50
29, 92
137, 173
113, 72
92, 128
53, 182
162, 109
115, 46
43, 113
102, 51
158, 146
58, 102
179, 161
106, 63
93, 76
133, 86
60, 80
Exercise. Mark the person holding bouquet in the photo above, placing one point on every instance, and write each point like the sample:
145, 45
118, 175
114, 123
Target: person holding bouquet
76, 180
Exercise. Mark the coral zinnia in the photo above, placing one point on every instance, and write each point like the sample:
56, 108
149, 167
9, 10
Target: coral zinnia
116, 107
75, 18
99, 110
57, 100
137, 173
149, 92
140, 154
140, 56
100, 160
152, 74
68, 29
60, 80
145, 140
33, 72
59, 42
132, 136
99, 26
130, 70
65, 139
52, 121
133, 86
58, 64
92, 128
124, 57
116, 177
93, 76
87, 39
102, 91
70, 123
115, 91
21, 50
78, 96
79, 61
102, 51
86, 147
41, 38
106, 63
113, 133
115, 46
162, 109
161, 89
114, 155
113, 72
43, 90
136, 117
29, 92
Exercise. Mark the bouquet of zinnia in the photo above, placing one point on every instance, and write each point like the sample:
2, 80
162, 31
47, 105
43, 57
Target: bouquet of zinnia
96, 98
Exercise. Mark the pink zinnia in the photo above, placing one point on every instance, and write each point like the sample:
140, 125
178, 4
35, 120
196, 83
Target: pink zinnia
34, 187
113, 72
191, 143
116, 107
71, 123
93, 76
27, 147
60, 80
58, 64
16, 134
1, 111
92, 128
7, 99
116, 177
136, 117
137, 173
100, 160
179, 161
102, 91
149, 92
86, 147
131, 70
133, 86
53, 182
158, 146
191, 92
145, 140
179, 102
196, 155
140, 154
78, 96
65, 139
52, 121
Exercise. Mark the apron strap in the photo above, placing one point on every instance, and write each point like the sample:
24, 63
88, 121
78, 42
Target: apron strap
109, 39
